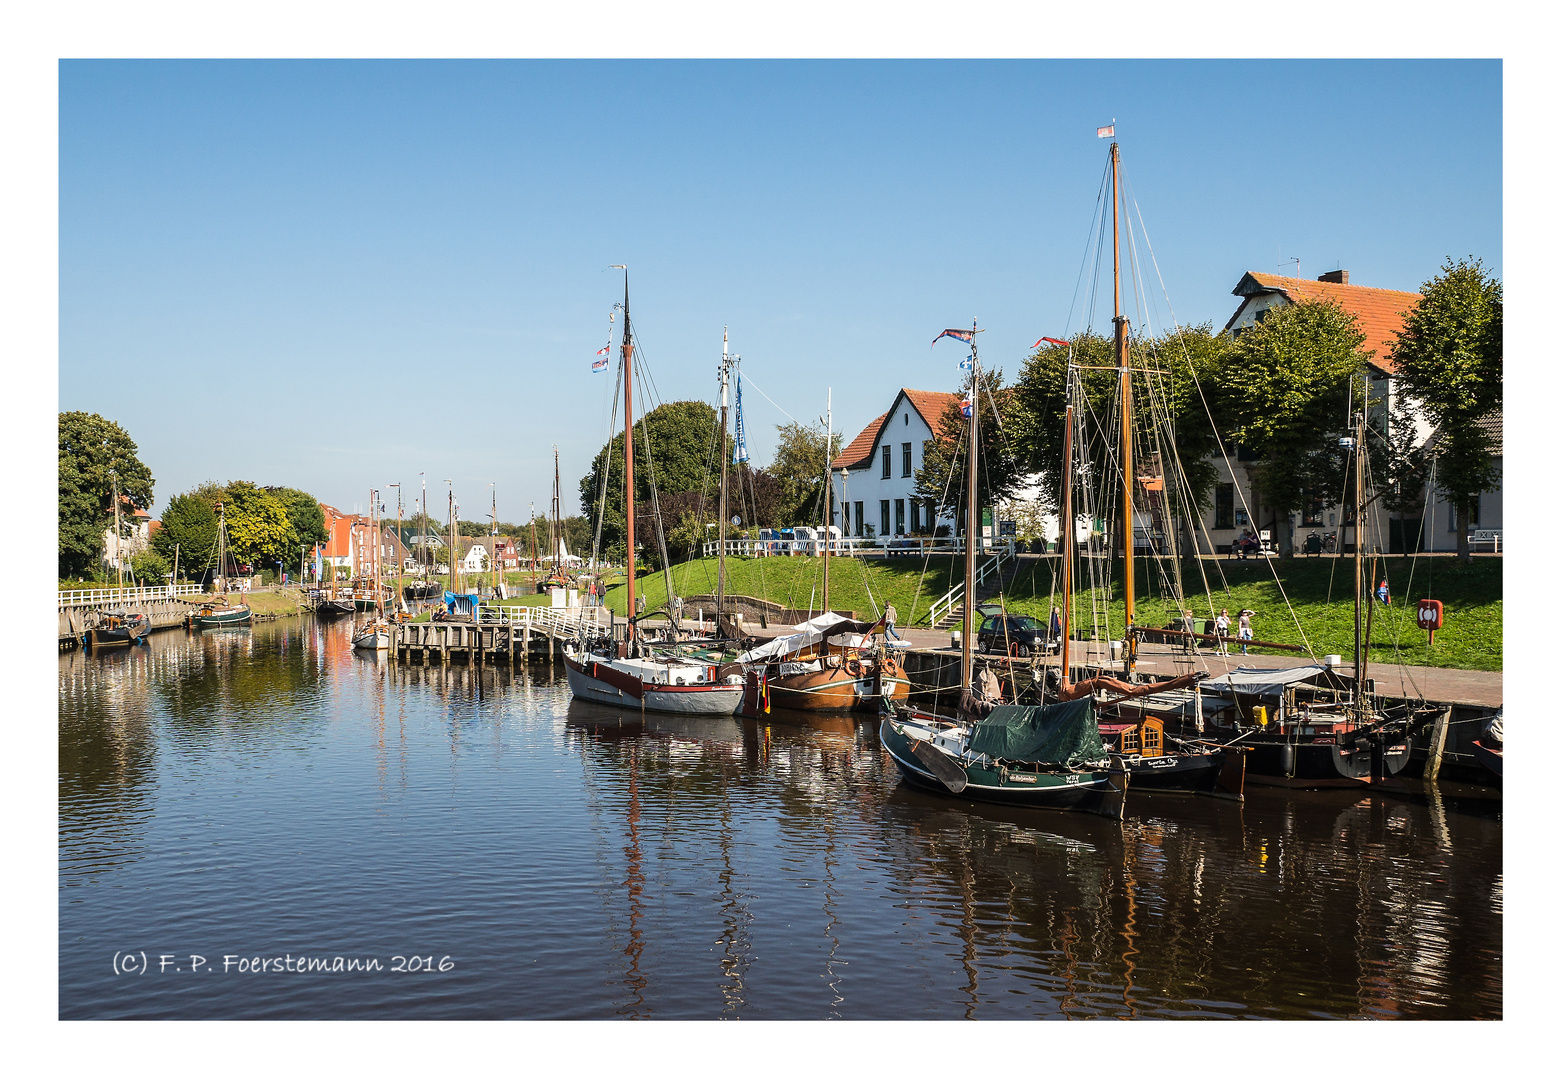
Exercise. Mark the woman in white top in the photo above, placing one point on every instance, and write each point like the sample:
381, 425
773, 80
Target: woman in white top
1222, 631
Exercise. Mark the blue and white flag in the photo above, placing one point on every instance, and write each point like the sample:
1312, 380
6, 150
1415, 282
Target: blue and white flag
599, 365
740, 440
965, 407
967, 363
1383, 590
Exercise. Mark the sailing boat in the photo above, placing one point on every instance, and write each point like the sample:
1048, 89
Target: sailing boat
1129, 718
1303, 727
219, 612
630, 673
118, 627
423, 589
1045, 756
833, 663
374, 634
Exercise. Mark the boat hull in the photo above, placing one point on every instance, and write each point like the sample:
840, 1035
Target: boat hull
1199, 773
1316, 765
592, 681
1488, 757
332, 608
1096, 791
219, 619
831, 690
375, 641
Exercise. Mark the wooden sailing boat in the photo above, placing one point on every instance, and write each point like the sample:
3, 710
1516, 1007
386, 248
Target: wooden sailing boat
1045, 756
219, 612
120, 626
374, 634
833, 663
630, 673
1127, 718
423, 589
1302, 733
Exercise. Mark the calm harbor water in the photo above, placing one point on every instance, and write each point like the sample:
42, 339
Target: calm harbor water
257, 796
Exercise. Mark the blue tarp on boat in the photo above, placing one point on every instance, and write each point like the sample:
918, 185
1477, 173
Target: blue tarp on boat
461, 603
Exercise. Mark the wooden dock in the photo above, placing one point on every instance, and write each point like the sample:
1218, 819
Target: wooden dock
536, 633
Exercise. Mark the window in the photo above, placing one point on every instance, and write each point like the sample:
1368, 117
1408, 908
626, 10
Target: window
1225, 506
905, 459
905, 418
916, 516
884, 514
1312, 512
886, 461
900, 517
859, 519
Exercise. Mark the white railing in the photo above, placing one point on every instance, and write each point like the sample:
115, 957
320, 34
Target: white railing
944, 604
876, 547
560, 622
92, 597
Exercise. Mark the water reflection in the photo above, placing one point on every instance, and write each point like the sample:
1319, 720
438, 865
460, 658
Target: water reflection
272, 789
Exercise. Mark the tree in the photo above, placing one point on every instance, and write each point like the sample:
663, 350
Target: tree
681, 457
94, 454
1285, 392
799, 468
756, 497
305, 519
1173, 430
943, 476
189, 525
150, 568
1448, 356
258, 529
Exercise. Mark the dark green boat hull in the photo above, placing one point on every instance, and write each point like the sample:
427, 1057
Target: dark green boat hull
209, 622
1098, 791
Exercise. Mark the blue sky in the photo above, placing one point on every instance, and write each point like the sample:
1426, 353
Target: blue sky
336, 275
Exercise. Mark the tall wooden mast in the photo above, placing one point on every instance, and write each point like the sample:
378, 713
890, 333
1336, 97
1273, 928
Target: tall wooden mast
629, 458
1126, 405
967, 618
1066, 520
721, 498
829, 423
1359, 703
455, 544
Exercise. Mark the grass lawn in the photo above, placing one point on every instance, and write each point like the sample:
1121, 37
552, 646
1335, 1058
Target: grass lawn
1319, 591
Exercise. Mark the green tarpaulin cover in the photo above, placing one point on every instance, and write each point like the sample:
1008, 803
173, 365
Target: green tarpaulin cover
1064, 734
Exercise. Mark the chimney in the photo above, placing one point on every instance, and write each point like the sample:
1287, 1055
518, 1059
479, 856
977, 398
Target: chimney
1336, 277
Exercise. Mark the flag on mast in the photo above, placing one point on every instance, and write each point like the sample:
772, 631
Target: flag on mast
967, 336
739, 441
967, 363
965, 407
1108, 132
599, 365
1053, 340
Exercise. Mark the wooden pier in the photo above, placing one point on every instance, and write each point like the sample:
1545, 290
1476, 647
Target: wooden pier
536, 633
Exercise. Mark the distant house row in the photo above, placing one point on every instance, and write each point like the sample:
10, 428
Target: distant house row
874, 477
350, 543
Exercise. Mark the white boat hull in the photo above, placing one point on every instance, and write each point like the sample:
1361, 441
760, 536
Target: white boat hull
593, 681
374, 641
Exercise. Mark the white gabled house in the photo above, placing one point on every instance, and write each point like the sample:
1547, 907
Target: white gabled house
875, 478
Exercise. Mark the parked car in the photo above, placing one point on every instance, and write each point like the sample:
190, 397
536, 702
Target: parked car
1019, 634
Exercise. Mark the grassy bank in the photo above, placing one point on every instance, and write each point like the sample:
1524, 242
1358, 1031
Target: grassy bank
1320, 613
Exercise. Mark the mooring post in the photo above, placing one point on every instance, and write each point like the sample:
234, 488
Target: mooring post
1434, 750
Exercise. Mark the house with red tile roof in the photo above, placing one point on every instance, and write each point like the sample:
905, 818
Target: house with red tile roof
1380, 313
874, 478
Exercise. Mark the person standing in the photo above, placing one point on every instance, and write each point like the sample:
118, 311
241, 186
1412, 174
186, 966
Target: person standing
1245, 628
1222, 631
1055, 626
890, 615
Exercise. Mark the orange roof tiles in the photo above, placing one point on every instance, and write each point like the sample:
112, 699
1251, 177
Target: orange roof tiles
929, 404
1379, 312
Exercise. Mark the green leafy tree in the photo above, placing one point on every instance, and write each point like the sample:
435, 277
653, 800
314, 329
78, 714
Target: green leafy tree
999, 471
681, 457
1448, 356
94, 454
799, 465
305, 519
1285, 392
150, 569
1173, 429
188, 530
258, 528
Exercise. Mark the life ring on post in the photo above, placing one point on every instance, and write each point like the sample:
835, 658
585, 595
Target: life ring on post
854, 668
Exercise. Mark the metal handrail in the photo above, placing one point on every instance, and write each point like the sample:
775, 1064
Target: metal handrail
91, 597
944, 604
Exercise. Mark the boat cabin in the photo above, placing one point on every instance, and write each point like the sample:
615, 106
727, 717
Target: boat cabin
1144, 739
